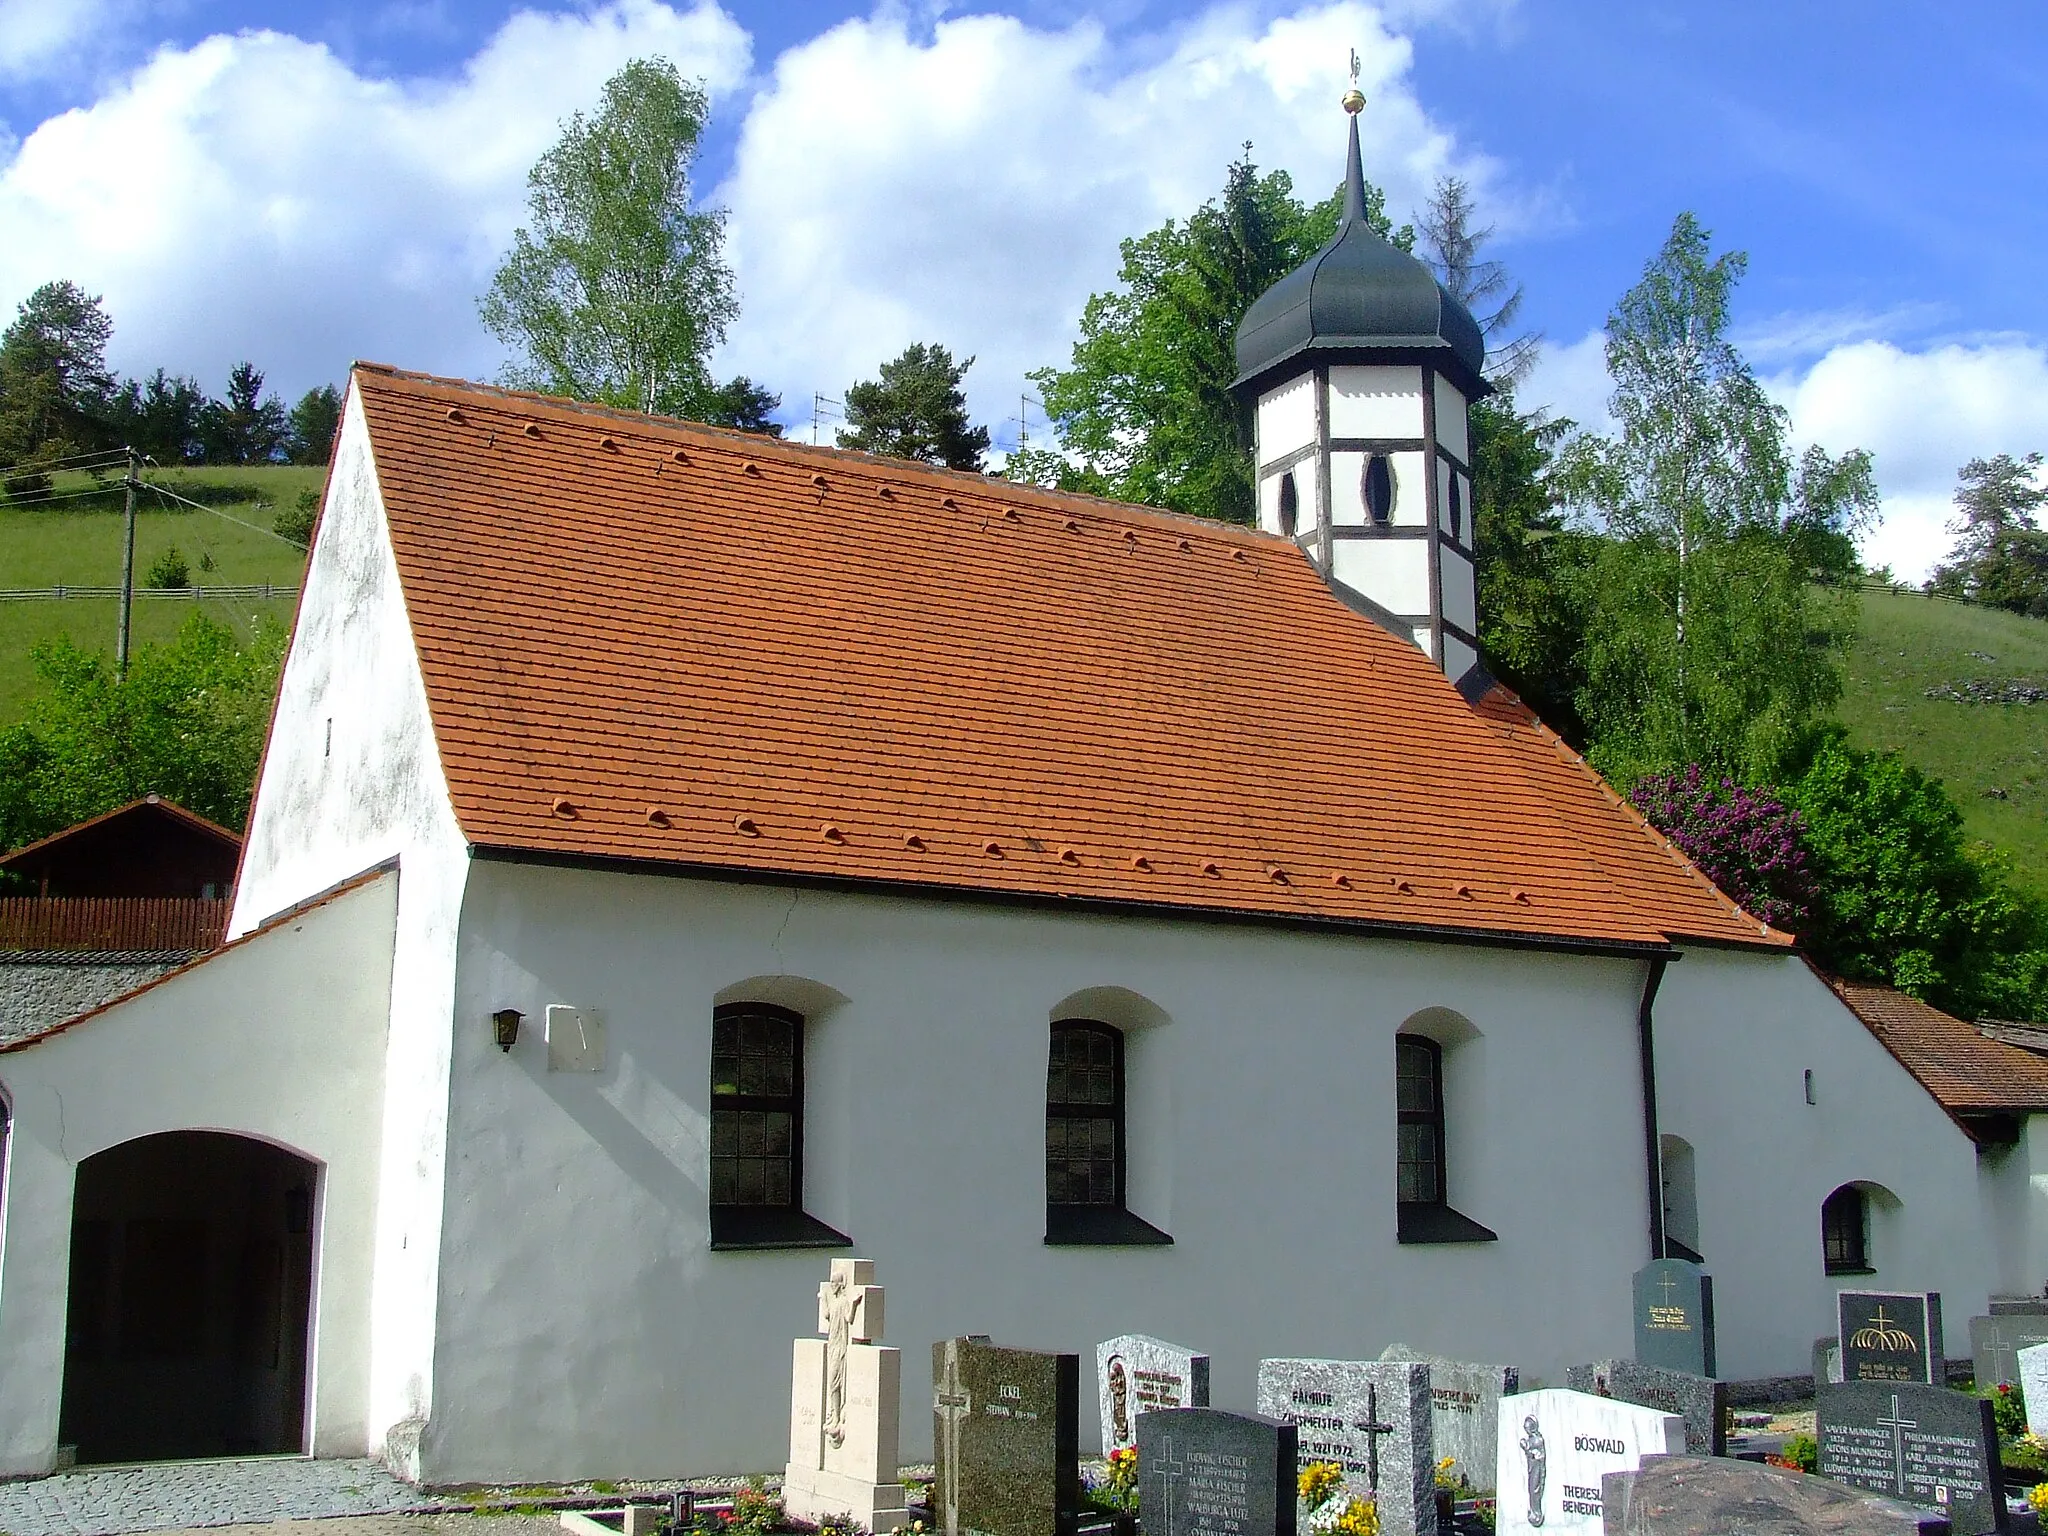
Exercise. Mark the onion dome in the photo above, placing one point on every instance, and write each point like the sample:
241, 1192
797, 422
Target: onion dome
1357, 295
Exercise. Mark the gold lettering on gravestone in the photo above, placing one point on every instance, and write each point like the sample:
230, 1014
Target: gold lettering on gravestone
1666, 1316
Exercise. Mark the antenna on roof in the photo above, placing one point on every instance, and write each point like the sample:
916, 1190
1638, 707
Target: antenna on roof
822, 408
1025, 400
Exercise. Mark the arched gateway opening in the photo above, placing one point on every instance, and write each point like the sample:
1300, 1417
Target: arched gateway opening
191, 1285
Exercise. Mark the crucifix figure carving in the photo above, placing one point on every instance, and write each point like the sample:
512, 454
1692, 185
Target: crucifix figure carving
849, 1312
952, 1402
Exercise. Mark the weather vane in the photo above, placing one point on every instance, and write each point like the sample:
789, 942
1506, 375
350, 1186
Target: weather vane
1354, 99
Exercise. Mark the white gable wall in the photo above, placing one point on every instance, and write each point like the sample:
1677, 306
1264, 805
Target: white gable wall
352, 777
1735, 1035
281, 1039
587, 1330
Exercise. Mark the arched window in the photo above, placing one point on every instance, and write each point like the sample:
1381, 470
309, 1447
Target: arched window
1377, 486
1845, 1232
757, 1130
1290, 505
1419, 1087
1084, 1138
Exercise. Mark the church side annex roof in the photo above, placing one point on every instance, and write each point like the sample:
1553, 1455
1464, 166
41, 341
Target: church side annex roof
648, 641
1965, 1072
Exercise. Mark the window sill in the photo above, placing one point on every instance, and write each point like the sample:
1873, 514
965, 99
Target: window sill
1847, 1269
1416, 1223
1099, 1226
737, 1227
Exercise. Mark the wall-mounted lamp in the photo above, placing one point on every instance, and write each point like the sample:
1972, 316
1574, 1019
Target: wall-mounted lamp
505, 1027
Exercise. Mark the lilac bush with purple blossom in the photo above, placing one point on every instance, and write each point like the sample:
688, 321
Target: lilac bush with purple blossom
1748, 842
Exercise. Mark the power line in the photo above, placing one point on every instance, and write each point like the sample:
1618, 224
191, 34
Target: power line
200, 506
69, 461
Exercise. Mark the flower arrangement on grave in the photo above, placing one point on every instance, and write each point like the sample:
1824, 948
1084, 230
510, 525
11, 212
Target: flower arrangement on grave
2008, 1409
1801, 1453
1319, 1480
1120, 1487
1332, 1511
1451, 1479
755, 1512
2037, 1498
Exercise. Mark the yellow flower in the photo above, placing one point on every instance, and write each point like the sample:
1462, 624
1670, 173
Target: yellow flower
1318, 1481
2037, 1498
1361, 1517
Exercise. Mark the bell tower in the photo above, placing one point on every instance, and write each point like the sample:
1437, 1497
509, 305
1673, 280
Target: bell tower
1357, 370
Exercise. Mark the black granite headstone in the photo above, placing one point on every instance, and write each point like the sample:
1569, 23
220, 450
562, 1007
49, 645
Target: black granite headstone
1996, 1342
1005, 1431
1698, 1496
1890, 1336
1699, 1400
1675, 1316
1926, 1445
2004, 1306
1204, 1472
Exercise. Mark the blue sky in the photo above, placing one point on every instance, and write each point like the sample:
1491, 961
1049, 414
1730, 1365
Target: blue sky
306, 184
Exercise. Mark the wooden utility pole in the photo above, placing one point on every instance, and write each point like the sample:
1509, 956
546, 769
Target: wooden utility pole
127, 571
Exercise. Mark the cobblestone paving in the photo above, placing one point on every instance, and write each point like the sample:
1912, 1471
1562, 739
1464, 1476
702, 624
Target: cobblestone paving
394, 1525
104, 1501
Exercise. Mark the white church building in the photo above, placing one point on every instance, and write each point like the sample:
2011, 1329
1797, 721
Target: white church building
682, 857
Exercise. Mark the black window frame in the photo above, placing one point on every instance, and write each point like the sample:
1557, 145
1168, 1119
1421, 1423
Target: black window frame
1290, 505
1380, 516
1457, 507
1094, 1223
1845, 1246
1429, 1220
760, 1224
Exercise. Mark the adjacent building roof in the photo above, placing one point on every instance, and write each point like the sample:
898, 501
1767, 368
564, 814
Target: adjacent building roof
1968, 1072
148, 847
644, 640
1359, 292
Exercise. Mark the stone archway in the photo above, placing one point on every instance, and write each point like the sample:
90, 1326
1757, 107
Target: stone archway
191, 1287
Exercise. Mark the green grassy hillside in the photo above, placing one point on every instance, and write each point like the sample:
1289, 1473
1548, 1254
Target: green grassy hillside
77, 542
1992, 757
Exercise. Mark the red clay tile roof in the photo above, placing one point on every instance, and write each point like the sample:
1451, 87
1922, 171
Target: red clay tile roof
1965, 1072
654, 641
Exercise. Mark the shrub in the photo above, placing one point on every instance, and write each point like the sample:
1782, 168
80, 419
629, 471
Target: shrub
2008, 1409
296, 521
1746, 841
1802, 1451
169, 571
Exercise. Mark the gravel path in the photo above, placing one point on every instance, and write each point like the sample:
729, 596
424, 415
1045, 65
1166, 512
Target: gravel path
104, 1501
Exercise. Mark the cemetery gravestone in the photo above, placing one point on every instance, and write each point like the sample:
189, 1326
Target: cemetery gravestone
1704, 1496
1005, 1423
1203, 1472
1996, 1342
1556, 1445
846, 1404
1675, 1316
2033, 1362
1926, 1445
1827, 1359
1135, 1375
1369, 1417
2011, 1306
1699, 1400
1464, 1409
1891, 1336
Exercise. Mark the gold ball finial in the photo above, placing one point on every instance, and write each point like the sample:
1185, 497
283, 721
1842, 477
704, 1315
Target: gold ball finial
1354, 101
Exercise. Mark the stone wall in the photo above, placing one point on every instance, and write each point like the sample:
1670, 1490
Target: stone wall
45, 988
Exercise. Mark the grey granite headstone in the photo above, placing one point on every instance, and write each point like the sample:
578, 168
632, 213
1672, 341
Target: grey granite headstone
1827, 1360
2015, 1306
1557, 1445
1675, 1316
1203, 1472
1704, 1496
1891, 1336
1996, 1342
1135, 1374
1464, 1409
2034, 1386
1372, 1419
1926, 1445
1004, 1427
1699, 1400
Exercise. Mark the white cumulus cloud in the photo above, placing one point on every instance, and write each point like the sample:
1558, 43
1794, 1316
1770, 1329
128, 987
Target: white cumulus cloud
252, 196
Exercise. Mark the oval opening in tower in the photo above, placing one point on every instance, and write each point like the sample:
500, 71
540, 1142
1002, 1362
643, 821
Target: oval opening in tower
1290, 505
1457, 506
1378, 488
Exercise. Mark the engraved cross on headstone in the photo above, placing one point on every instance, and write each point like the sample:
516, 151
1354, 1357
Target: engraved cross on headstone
1898, 1425
1373, 1429
952, 1403
1170, 1469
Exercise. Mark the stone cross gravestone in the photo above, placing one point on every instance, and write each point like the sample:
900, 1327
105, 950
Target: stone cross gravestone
845, 1407
1675, 1316
1464, 1409
1926, 1445
1203, 1472
1714, 1496
1891, 1336
1005, 1423
1996, 1342
1556, 1445
1701, 1401
1135, 1374
2033, 1380
1369, 1417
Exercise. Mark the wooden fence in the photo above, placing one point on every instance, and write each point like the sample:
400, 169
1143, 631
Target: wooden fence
79, 923
265, 589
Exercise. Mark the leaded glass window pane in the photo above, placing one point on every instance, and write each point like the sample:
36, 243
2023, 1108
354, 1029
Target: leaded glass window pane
1083, 1116
755, 1113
